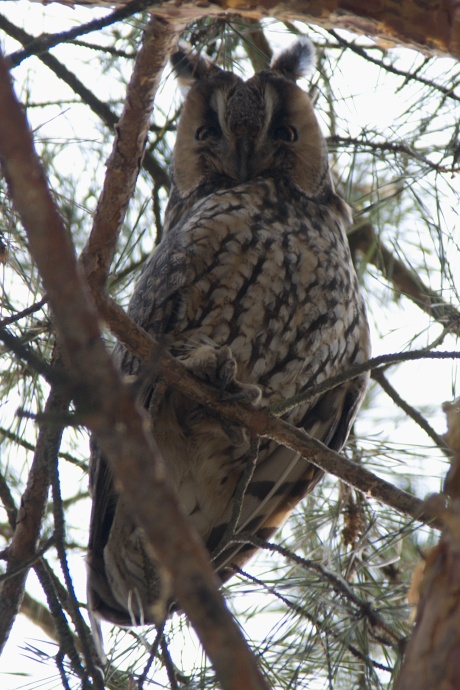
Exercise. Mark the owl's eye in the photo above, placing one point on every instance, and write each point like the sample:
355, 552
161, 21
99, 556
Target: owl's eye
286, 133
206, 132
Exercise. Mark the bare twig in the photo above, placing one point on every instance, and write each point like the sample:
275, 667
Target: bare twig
418, 418
44, 42
403, 278
384, 147
338, 583
382, 361
49, 373
169, 664
152, 653
23, 546
22, 314
101, 109
364, 53
11, 436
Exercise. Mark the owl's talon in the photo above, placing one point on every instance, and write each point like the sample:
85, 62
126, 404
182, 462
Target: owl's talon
217, 366
226, 373
235, 433
247, 393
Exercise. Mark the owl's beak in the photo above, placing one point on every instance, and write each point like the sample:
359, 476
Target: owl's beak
244, 156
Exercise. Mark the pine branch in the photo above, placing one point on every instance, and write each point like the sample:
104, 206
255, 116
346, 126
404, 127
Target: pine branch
363, 52
44, 42
321, 624
6, 433
67, 641
418, 418
406, 281
110, 408
86, 643
124, 163
100, 108
338, 584
361, 144
262, 423
23, 546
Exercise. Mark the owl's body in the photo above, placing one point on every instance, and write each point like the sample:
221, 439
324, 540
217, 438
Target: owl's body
253, 288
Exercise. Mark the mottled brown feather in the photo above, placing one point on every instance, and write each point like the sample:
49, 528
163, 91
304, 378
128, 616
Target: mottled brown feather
253, 288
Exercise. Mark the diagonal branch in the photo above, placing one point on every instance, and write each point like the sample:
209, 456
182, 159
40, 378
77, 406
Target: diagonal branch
111, 411
44, 42
125, 161
403, 278
102, 110
23, 546
418, 418
261, 423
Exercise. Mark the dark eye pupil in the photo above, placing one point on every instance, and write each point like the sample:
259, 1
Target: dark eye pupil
205, 132
286, 133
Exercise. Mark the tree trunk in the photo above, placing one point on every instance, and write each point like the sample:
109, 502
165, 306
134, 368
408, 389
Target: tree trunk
432, 660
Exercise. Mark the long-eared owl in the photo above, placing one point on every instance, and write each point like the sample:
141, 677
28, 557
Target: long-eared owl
252, 287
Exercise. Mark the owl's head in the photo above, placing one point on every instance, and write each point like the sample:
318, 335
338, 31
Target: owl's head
233, 131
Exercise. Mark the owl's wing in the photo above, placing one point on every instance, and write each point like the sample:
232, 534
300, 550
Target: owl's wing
156, 305
168, 303
282, 477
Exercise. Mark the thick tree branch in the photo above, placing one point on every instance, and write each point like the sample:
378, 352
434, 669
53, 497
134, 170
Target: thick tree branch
262, 423
429, 25
110, 410
125, 161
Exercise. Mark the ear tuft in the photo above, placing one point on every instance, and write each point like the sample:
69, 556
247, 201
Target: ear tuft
190, 67
297, 60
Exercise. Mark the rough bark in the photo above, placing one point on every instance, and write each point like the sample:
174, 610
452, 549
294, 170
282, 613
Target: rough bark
108, 406
432, 660
433, 25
